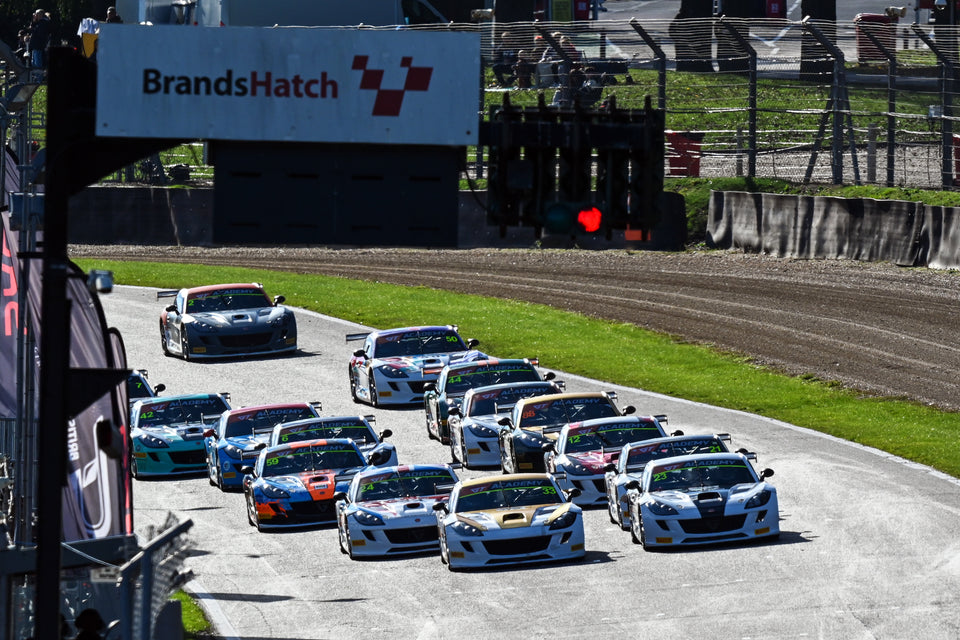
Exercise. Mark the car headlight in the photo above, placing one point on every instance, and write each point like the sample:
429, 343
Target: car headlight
465, 529
564, 521
391, 372
528, 439
207, 324
661, 509
368, 519
758, 500
574, 468
272, 491
233, 451
153, 442
481, 431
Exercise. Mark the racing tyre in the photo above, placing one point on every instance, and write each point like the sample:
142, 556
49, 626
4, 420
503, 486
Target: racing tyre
184, 346
133, 468
463, 452
250, 519
212, 475
343, 532
612, 509
163, 342
374, 400
353, 386
445, 554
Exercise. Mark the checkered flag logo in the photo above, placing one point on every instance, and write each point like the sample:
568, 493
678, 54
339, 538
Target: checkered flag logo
389, 101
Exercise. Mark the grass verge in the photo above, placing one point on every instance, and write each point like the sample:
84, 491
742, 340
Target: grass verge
195, 623
613, 352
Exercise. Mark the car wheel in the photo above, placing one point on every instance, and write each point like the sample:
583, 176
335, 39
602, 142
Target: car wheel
344, 534
212, 473
504, 457
133, 467
251, 520
184, 346
353, 385
612, 509
374, 400
463, 453
429, 430
445, 553
163, 341
634, 533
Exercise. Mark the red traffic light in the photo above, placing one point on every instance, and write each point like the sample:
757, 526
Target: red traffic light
590, 219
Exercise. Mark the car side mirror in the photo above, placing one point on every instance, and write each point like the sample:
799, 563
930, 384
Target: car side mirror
573, 493
766, 473
378, 457
340, 495
504, 422
549, 447
386, 433
549, 375
610, 468
259, 446
453, 411
473, 343
629, 410
171, 309
359, 353
441, 506
209, 433
634, 484
247, 471
278, 300
678, 432
430, 386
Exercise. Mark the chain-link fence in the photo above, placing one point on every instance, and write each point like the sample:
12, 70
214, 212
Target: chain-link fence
855, 103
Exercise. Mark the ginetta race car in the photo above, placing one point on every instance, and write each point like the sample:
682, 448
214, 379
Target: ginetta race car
535, 423
583, 450
293, 485
166, 433
635, 456
357, 428
388, 511
513, 519
225, 320
455, 378
394, 365
474, 428
244, 431
700, 499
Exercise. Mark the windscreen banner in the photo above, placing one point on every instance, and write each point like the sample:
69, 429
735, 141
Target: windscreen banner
10, 322
288, 84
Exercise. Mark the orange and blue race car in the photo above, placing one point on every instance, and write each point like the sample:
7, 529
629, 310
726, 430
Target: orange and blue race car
293, 485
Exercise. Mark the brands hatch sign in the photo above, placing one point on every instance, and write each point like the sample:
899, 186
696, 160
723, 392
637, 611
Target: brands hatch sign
290, 84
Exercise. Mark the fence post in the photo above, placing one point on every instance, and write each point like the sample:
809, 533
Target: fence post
661, 63
872, 153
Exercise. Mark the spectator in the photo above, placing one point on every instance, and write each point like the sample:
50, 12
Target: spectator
89, 624
113, 16
524, 69
40, 31
504, 60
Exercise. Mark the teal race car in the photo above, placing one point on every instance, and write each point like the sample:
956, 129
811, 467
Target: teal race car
166, 433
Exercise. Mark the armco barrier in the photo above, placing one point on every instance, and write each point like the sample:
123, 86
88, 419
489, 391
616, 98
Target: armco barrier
904, 233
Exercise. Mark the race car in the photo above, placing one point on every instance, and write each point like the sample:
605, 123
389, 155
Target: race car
535, 423
474, 428
700, 499
226, 320
515, 519
394, 365
388, 511
166, 433
583, 450
138, 387
455, 378
357, 428
240, 431
635, 456
293, 485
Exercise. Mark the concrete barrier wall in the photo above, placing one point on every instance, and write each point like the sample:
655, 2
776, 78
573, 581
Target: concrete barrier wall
905, 233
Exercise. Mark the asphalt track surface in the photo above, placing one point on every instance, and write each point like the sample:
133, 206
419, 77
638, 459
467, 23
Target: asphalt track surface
869, 545
874, 327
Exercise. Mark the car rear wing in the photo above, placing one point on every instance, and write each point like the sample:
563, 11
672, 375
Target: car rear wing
351, 337
167, 294
372, 419
723, 437
661, 418
445, 488
316, 404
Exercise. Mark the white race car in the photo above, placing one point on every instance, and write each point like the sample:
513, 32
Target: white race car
700, 499
474, 432
357, 428
508, 519
635, 456
389, 369
389, 511
581, 452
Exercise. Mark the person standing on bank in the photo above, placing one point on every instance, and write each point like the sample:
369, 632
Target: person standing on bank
112, 15
40, 31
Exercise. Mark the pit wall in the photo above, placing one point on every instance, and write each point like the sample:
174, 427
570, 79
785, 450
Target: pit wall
904, 233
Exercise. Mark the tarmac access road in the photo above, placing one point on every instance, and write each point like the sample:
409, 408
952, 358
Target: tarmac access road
869, 545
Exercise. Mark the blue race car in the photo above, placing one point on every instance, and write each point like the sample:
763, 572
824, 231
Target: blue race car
244, 431
166, 434
293, 485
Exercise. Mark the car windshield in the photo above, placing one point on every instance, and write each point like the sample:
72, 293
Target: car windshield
639, 456
700, 474
227, 299
263, 420
359, 432
302, 459
500, 400
420, 482
462, 379
137, 387
192, 410
418, 343
610, 436
564, 411
506, 494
